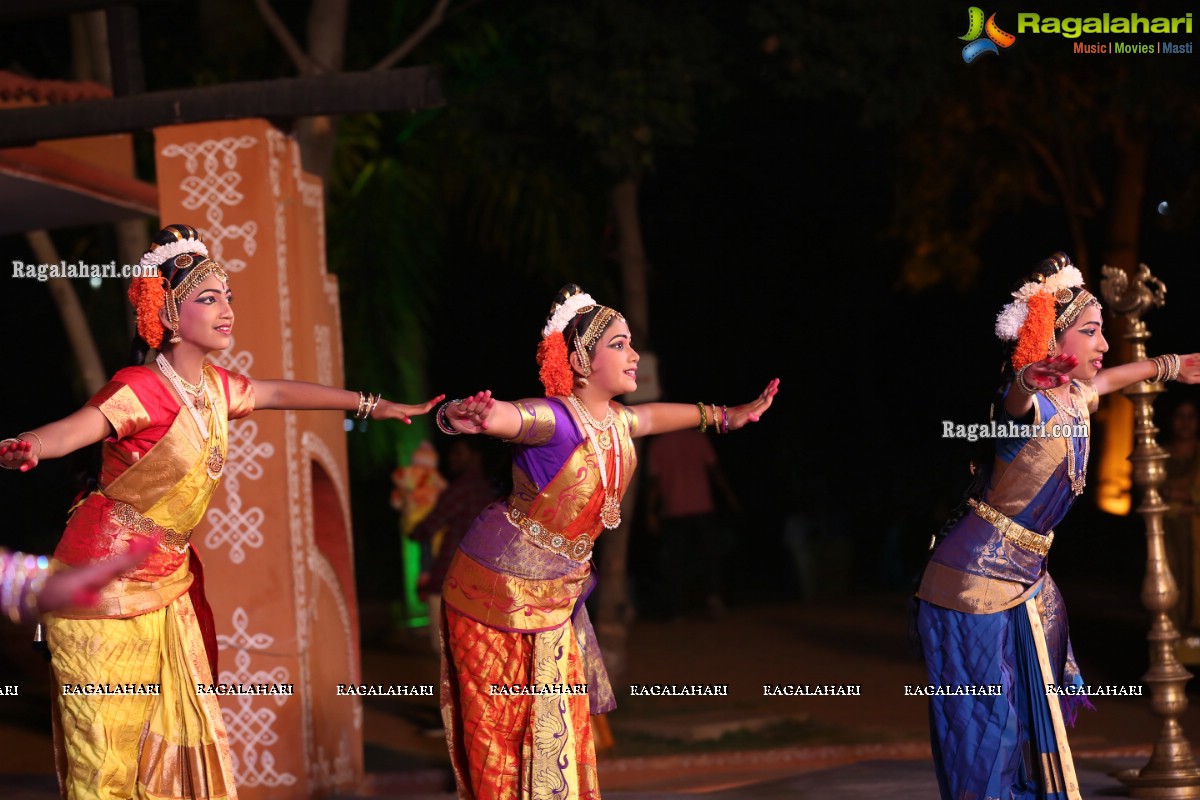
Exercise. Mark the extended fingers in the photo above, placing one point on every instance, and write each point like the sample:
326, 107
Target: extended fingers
15, 446
428, 404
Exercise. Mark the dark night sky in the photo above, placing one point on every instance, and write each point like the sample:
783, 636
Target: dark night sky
769, 259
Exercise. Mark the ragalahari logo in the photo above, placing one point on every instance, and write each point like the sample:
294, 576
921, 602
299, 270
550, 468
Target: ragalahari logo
976, 27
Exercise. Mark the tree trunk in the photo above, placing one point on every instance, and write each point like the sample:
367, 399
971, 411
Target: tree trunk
614, 610
327, 47
631, 253
62, 290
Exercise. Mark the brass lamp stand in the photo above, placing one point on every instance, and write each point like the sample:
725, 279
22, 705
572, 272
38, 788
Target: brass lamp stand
1172, 771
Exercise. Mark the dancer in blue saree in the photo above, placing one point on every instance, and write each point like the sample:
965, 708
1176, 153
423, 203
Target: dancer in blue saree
992, 623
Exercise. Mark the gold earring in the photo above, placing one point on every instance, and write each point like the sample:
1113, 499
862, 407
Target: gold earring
175, 335
585, 363
581, 381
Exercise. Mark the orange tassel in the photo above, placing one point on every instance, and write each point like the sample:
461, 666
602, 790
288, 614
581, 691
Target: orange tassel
555, 369
1036, 331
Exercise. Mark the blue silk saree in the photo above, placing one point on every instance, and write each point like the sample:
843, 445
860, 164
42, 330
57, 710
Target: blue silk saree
993, 625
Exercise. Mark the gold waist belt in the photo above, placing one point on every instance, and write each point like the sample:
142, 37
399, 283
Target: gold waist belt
1017, 534
128, 516
577, 549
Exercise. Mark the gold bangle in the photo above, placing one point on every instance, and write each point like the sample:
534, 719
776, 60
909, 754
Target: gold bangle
374, 405
703, 417
1022, 384
41, 444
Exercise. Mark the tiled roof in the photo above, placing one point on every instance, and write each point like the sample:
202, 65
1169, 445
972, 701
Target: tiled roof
15, 87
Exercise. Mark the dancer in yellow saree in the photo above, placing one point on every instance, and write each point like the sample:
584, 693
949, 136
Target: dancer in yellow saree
128, 719
521, 669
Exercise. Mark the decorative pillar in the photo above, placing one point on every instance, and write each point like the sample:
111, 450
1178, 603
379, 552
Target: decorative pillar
275, 542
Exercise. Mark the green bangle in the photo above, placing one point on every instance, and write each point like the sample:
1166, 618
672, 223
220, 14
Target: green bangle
703, 417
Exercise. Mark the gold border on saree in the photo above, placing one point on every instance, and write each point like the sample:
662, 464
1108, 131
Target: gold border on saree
1017, 534
128, 517
577, 549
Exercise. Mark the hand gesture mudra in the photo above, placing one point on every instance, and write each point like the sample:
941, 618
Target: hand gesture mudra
403, 411
17, 454
740, 416
1049, 373
470, 415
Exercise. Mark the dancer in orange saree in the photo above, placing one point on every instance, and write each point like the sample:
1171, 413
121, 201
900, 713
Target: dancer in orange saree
151, 635
521, 669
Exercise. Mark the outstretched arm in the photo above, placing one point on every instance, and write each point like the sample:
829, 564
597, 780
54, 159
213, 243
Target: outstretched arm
665, 417
481, 413
1045, 374
1114, 379
81, 587
302, 396
85, 427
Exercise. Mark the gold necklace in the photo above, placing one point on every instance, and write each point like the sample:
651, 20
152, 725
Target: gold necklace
1078, 477
169, 371
214, 464
610, 511
604, 438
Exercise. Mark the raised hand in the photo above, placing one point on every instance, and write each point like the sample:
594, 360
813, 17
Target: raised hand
470, 415
740, 416
17, 454
389, 410
1050, 372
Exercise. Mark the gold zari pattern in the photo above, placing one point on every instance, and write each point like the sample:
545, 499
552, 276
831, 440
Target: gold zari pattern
1017, 534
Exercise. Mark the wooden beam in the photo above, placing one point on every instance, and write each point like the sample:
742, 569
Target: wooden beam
407, 89
21, 10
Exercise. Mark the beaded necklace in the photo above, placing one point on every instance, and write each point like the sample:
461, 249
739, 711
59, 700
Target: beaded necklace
215, 463
1078, 477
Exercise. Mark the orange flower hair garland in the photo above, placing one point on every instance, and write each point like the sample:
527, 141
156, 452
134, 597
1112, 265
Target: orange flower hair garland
1029, 320
149, 296
1033, 340
553, 363
554, 367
